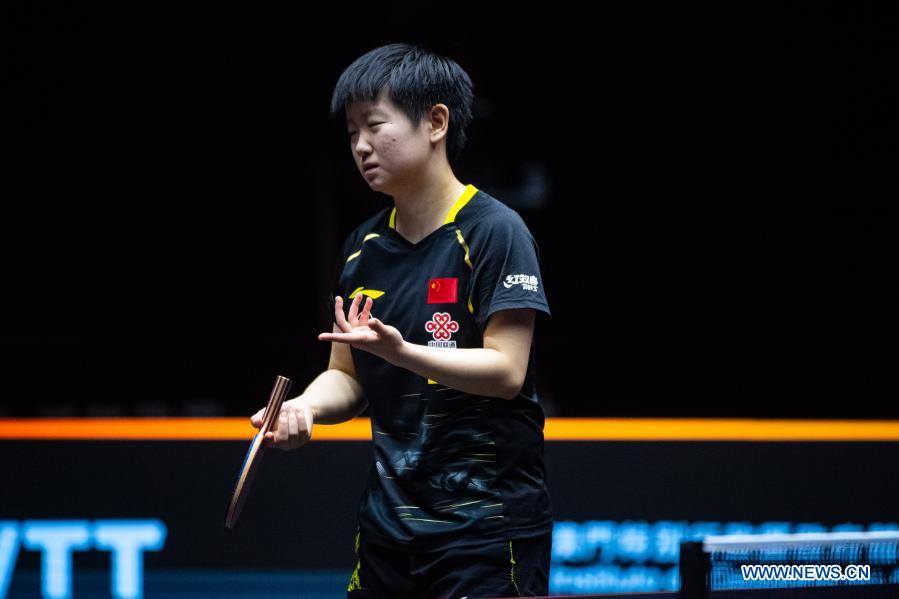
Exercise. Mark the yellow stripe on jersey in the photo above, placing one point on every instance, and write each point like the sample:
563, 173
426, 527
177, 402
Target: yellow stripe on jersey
467, 261
372, 293
464, 245
469, 192
359, 251
354, 577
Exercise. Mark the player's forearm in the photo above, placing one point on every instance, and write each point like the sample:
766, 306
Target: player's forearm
334, 396
480, 371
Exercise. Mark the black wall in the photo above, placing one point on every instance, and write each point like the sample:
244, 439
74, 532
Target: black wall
714, 202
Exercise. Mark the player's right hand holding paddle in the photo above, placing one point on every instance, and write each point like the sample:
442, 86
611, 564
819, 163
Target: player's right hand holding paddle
292, 429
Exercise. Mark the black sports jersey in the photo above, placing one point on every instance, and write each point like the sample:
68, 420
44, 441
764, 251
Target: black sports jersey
450, 468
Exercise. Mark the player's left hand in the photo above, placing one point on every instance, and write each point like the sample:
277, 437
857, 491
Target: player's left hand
363, 331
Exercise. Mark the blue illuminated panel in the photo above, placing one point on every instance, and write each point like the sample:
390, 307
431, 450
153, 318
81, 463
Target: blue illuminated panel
126, 540
603, 556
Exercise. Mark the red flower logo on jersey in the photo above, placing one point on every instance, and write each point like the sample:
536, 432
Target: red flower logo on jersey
441, 326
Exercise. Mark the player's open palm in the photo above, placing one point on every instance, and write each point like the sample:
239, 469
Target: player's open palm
292, 429
362, 330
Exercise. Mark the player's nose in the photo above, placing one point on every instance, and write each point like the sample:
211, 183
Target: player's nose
362, 148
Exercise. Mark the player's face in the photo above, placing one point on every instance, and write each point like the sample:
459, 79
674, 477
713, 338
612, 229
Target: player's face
380, 133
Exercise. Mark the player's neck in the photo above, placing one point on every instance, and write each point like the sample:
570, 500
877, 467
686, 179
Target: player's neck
423, 208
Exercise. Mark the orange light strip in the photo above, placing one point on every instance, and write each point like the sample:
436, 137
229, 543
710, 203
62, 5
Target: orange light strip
557, 429
718, 429
161, 429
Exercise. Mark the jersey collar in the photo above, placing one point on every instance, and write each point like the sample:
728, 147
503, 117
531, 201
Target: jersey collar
466, 196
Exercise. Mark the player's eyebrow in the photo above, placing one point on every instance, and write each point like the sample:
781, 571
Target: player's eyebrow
367, 112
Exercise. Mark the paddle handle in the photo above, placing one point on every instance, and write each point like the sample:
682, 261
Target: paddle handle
273, 408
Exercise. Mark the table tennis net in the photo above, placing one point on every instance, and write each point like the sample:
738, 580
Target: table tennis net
786, 561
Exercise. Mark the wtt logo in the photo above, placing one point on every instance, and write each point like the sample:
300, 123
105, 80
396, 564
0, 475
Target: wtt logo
57, 539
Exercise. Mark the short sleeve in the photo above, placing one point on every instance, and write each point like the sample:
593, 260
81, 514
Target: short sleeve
507, 271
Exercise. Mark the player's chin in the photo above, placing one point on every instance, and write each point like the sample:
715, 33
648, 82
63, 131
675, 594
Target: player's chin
376, 180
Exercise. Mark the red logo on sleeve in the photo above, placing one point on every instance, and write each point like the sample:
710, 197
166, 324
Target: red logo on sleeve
442, 291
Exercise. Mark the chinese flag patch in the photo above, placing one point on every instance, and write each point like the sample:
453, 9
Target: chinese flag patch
442, 291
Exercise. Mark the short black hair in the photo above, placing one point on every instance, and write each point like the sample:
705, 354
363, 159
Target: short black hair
415, 80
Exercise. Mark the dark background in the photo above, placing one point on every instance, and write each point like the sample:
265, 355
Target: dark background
712, 194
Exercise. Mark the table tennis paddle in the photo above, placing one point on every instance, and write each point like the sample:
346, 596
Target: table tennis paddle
257, 448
